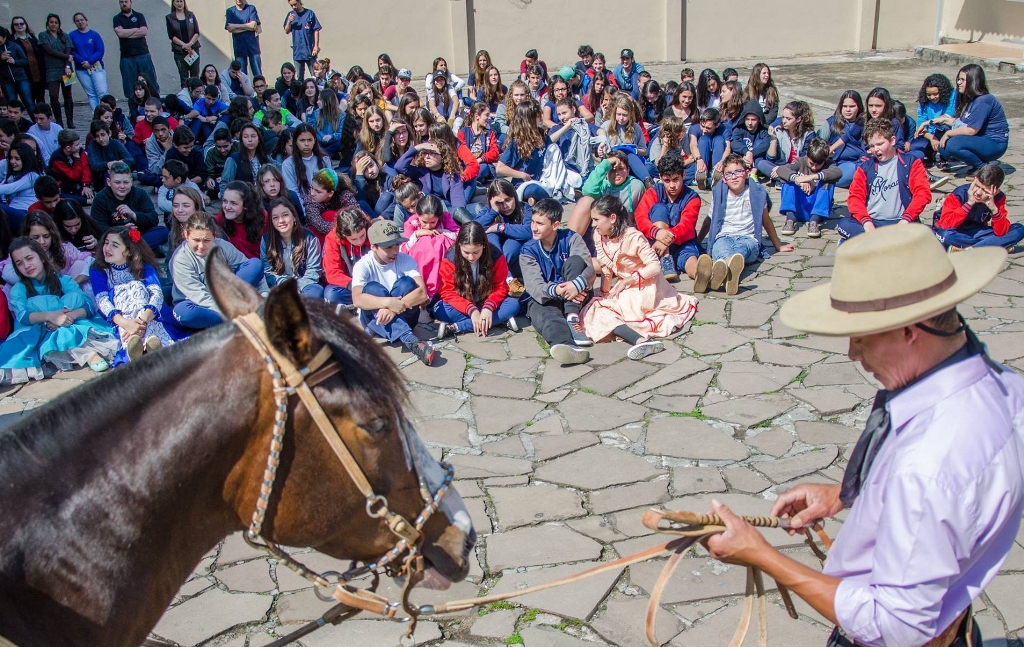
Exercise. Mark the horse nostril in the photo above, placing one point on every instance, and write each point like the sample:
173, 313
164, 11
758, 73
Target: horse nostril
470, 542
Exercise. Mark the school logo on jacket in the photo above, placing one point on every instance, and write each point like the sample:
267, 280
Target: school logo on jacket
880, 186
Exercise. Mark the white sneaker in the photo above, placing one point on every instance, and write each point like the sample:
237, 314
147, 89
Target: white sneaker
512, 324
569, 354
442, 330
644, 348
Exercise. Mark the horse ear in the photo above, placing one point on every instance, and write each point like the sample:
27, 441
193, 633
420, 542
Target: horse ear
288, 324
234, 296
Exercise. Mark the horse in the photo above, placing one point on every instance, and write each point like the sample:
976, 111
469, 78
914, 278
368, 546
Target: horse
113, 492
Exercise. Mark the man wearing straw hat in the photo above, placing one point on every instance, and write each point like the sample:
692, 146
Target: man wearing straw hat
935, 485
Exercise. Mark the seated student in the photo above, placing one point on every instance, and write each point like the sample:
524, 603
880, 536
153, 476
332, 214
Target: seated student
187, 97
739, 210
789, 139
187, 201
558, 273
56, 326
809, 183
242, 218
343, 247
129, 294
117, 120
935, 99
157, 146
18, 113
671, 138
120, 203
272, 104
707, 146
622, 132
667, 215
327, 118
641, 305
750, 139
843, 132
44, 131
573, 134
69, 165
974, 215
396, 143
273, 130
506, 221
194, 306
598, 70
388, 290
143, 131
47, 193
441, 133
76, 226
246, 162
879, 105
206, 113
270, 186
888, 188
438, 169
368, 181
329, 193
103, 151
216, 158
185, 151
907, 124
8, 131
979, 132
406, 194
306, 159
68, 259
174, 175
289, 250
522, 155
17, 179
474, 290
430, 233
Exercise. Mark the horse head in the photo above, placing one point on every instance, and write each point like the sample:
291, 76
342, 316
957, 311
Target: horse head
315, 502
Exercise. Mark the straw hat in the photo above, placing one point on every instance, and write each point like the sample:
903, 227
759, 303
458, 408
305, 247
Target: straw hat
889, 278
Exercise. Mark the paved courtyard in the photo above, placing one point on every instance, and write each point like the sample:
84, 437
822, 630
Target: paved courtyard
557, 464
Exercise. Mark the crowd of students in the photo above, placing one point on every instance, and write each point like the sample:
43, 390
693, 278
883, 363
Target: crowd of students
441, 203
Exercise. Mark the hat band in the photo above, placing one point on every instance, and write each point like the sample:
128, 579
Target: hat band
898, 301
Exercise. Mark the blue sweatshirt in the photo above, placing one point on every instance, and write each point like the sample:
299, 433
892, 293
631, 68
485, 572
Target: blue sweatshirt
88, 48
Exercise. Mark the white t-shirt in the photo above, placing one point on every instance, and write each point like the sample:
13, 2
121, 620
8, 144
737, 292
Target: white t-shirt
368, 270
738, 218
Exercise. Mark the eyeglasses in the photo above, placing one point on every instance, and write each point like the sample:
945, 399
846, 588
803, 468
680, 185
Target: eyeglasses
18, 24
733, 174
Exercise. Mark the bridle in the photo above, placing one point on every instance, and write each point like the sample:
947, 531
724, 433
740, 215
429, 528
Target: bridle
290, 380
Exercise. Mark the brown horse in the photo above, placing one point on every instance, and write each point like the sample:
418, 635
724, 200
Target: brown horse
113, 492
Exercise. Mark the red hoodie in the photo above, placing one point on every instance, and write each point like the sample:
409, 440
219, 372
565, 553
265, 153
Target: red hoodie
490, 155
338, 268
469, 161
450, 295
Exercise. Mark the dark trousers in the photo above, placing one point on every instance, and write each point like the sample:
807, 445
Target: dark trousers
549, 318
185, 71
849, 226
56, 88
132, 67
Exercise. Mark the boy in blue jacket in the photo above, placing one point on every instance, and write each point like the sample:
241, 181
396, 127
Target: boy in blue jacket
751, 141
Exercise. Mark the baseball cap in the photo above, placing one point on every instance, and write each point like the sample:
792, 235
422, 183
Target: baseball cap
626, 53
566, 73
405, 73
385, 233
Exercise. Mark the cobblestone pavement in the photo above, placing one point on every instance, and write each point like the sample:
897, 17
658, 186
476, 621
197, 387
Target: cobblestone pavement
556, 465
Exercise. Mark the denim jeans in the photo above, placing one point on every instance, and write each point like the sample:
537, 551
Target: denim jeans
973, 150
510, 249
22, 89
131, 67
849, 226
401, 326
156, 236
725, 246
95, 84
338, 294
980, 237
712, 150
442, 311
313, 290
253, 61
300, 69
848, 169
532, 190
797, 205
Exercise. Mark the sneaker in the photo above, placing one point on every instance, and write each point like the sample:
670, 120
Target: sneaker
814, 229
576, 328
133, 347
716, 176
719, 272
703, 278
937, 180
152, 344
736, 265
516, 288
512, 324
569, 354
443, 330
788, 229
668, 268
642, 349
702, 180
425, 351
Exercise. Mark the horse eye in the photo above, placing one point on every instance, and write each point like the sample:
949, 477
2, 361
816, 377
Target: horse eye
376, 426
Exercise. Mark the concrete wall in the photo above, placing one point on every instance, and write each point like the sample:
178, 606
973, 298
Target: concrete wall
413, 32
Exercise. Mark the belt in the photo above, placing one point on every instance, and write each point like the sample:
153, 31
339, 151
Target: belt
960, 633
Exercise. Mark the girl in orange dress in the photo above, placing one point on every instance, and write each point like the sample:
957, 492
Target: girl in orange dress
642, 305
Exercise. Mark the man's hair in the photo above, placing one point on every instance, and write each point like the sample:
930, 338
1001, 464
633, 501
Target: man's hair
880, 126
535, 70
119, 168
183, 135
710, 114
259, 77
818, 150
947, 321
222, 135
42, 109
730, 71
549, 208
236, 65
67, 137
177, 169
585, 50
733, 160
97, 127
899, 110
154, 102
16, 104
193, 83
9, 128
237, 125
386, 69
686, 71
671, 164
46, 187
272, 118
268, 93
991, 175
160, 120
211, 91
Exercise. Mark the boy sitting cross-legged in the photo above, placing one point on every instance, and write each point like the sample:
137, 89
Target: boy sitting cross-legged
809, 184
974, 215
739, 210
667, 215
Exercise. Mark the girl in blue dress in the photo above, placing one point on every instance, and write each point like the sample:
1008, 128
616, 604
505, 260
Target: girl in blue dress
56, 326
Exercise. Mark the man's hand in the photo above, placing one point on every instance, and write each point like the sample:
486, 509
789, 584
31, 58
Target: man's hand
806, 188
807, 503
665, 236
566, 290
869, 226
88, 193
740, 544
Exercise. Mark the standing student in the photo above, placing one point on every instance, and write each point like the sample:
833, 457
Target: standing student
131, 29
289, 250
88, 53
59, 62
789, 139
304, 28
342, 248
979, 133
474, 291
761, 88
641, 305
388, 290
843, 132
935, 99
809, 184
888, 188
183, 32
558, 273
667, 216
974, 215
242, 21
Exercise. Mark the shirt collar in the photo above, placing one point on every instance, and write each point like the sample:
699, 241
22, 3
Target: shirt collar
935, 386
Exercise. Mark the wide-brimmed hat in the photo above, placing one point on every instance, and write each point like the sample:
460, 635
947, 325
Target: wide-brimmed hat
889, 278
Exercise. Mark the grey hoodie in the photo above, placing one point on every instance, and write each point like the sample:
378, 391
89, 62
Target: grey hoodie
188, 274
